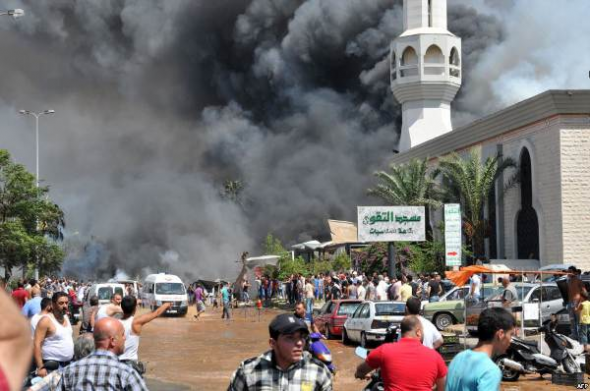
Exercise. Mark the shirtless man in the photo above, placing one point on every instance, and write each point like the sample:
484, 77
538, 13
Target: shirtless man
110, 310
53, 336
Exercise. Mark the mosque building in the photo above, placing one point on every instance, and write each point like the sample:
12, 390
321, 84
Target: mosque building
546, 216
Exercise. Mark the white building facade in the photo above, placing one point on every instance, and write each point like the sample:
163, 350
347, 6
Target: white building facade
547, 215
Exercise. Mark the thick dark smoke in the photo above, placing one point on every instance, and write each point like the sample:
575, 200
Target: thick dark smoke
160, 102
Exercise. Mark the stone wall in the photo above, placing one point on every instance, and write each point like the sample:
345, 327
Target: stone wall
575, 192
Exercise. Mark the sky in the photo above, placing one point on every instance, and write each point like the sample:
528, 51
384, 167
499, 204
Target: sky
159, 103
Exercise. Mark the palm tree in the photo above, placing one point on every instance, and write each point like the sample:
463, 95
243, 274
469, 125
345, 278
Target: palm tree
406, 184
471, 181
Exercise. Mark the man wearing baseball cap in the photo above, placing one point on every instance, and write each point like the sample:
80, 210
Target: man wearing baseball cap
287, 365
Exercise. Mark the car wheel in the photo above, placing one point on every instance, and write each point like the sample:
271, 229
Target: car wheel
442, 321
345, 339
507, 373
364, 342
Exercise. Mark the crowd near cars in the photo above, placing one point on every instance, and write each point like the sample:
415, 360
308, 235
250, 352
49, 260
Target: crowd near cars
365, 322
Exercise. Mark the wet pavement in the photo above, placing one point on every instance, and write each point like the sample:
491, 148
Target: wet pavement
190, 354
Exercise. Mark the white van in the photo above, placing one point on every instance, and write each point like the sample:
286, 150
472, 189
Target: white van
163, 288
104, 291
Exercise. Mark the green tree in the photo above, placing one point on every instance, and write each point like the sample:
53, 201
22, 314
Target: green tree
29, 222
318, 266
232, 191
470, 181
407, 184
411, 184
341, 263
295, 266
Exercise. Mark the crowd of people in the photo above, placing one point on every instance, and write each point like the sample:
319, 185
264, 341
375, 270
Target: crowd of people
106, 350
411, 363
104, 355
350, 285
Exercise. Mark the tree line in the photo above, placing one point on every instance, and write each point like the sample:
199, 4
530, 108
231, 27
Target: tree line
31, 225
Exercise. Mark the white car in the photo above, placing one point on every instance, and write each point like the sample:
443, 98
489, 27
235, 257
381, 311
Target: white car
547, 296
370, 321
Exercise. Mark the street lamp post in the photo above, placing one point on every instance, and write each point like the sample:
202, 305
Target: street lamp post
36, 115
15, 13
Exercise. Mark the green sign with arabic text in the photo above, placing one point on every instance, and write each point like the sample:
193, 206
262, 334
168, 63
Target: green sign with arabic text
391, 223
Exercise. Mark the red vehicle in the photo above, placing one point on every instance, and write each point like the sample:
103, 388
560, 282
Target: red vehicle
333, 314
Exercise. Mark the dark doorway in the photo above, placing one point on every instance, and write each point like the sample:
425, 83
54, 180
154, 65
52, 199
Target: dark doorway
527, 223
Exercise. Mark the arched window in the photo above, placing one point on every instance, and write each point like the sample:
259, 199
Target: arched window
434, 61
434, 55
409, 62
527, 223
409, 57
455, 63
454, 58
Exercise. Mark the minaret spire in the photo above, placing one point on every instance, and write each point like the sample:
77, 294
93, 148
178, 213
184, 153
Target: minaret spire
425, 71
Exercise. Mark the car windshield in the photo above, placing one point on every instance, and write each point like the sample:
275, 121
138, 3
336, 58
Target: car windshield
382, 309
106, 292
491, 291
520, 291
170, 288
347, 308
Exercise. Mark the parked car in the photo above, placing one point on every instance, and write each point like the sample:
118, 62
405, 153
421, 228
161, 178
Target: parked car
547, 295
370, 321
451, 307
104, 291
333, 314
447, 285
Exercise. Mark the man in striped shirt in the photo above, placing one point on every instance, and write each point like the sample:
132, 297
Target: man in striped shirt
102, 369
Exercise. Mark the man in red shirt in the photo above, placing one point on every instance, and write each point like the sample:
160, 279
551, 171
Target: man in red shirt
20, 295
407, 364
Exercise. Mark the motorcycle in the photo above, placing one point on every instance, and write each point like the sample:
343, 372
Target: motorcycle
524, 356
376, 382
321, 351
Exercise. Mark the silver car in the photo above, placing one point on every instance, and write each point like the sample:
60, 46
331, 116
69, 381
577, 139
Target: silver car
547, 296
370, 321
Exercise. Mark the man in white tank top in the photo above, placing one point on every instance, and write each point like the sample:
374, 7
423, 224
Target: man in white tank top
133, 326
45, 310
112, 309
54, 337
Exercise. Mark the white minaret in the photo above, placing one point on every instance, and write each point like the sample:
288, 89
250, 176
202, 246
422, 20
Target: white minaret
425, 65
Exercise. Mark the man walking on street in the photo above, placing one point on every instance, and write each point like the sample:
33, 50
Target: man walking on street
226, 299
199, 301
287, 366
509, 294
309, 296
474, 370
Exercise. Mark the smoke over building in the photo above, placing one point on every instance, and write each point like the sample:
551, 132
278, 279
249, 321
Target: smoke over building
159, 103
